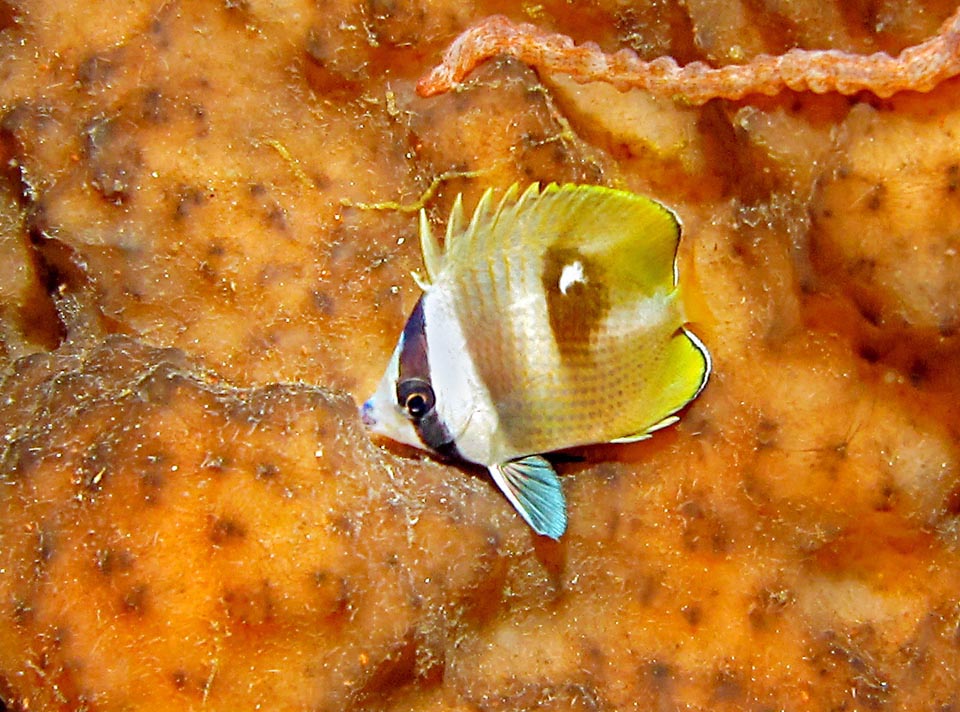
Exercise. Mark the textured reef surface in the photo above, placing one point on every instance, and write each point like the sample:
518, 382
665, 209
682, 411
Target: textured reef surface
206, 239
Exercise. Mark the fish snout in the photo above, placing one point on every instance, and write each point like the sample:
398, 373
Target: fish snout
366, 414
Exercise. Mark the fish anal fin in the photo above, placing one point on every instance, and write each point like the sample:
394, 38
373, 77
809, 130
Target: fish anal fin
533, 488
648, 433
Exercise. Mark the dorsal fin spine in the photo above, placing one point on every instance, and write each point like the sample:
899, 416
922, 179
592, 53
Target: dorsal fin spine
483, 207
455, 223
432, 257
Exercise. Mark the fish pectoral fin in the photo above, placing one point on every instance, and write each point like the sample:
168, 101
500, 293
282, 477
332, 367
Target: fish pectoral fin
533, 488
648, 433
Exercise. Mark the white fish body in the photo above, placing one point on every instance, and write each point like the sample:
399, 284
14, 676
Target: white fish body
551, 320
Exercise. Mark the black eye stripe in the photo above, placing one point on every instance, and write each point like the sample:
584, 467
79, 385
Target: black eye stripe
414, 371
413, 352
435, 435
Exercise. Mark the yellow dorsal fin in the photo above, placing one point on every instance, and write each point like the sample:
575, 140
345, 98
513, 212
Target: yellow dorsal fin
455, 223
481, 216
633, 238
432, 256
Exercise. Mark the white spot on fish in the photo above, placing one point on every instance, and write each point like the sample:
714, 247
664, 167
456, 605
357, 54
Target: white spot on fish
570, 275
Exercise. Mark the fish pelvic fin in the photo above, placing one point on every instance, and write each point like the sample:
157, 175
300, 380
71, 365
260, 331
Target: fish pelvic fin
533, 488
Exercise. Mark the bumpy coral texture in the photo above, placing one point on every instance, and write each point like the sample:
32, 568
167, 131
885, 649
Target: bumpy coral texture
919, 68
207, 230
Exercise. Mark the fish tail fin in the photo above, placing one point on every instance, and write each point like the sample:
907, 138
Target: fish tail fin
685, 375
700, 356
533, 488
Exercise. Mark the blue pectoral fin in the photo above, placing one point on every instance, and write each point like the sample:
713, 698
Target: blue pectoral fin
533, 488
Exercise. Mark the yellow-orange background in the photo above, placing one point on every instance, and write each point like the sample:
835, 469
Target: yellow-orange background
195, 281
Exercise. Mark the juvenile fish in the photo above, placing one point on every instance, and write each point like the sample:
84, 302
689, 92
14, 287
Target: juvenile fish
551, 320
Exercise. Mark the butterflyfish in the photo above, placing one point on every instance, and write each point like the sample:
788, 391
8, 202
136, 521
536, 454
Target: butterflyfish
550, 320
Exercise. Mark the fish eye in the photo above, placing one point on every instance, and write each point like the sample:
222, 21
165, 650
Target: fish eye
416, 397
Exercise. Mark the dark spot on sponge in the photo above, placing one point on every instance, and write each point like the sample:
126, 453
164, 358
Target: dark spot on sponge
692, 613
114, 160
267, 471
323, 302
9, 17
767, 431
333, 591
95, 465
152, 107
152, 475
21, 458
768, 604
224, 530
22, 611
250, 605
95, 69
952, 504
344, 524
868, 308
919, 372
869, 353
877, 194
658, 676
953, 177
214, 463
160, 385
111, 561
46, 546
135, 599
727, 685
275, 217
187, 198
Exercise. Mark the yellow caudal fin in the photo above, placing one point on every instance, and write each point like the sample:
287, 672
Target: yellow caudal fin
683, 376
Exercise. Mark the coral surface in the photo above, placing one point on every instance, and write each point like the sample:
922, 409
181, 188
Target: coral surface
207, 229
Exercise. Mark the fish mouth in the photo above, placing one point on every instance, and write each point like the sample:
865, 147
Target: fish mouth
381, 418
366, 414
